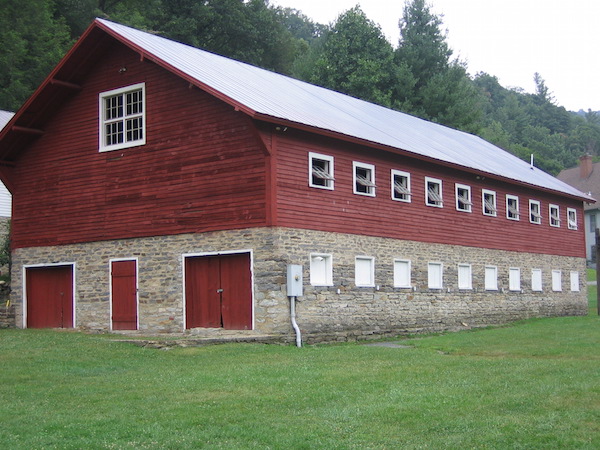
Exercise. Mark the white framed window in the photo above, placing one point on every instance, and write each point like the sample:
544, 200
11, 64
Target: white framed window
574, 278
465, 276
557, 280
536, 280
554, 215
488, 199
320, 171
401, 186
364, 178
491, 278
433, 192
435, 273
364, 271
572, 218
514, 279
535, 215
463, 197
402, 278
321, 269
512, 207
122, 115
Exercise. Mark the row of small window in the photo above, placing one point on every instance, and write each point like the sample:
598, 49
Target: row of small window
322, 176
321, 274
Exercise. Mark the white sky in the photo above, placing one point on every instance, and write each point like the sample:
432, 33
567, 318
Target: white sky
510, 39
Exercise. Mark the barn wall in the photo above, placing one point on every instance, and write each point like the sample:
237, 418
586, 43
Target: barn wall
337, 312
201, 168
343, 211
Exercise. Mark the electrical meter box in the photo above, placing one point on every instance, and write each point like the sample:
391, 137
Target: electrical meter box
294, 280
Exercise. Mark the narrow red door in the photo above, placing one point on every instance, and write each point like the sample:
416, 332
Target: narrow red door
49, 297
124, 295
219, 292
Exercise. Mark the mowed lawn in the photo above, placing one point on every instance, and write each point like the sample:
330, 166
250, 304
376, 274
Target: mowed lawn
535, 384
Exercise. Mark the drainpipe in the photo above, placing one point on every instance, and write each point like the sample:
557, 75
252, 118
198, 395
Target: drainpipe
294, 324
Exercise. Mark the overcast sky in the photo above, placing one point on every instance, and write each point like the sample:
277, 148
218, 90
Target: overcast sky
511, 39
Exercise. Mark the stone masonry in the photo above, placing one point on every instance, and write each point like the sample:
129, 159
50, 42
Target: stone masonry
338, 312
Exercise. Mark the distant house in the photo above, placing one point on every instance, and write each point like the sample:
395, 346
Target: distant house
586, 178
5, 197
161, 188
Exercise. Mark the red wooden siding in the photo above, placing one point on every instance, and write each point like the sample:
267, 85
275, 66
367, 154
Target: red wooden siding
49, 297
202, 169
124, 295
218, 292
343, 211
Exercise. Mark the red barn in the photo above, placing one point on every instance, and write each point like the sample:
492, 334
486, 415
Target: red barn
161, 188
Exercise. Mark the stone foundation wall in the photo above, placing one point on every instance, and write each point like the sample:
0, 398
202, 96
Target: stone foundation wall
339, 312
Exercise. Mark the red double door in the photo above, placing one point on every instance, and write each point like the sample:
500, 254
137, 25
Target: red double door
218, 291
49, 296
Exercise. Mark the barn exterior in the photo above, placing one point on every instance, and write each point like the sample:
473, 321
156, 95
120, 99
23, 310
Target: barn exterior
160, 188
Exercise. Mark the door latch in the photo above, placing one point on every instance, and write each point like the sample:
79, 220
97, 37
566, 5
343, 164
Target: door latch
219, 291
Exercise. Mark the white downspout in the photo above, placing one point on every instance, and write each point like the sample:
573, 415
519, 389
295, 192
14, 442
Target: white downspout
294, 324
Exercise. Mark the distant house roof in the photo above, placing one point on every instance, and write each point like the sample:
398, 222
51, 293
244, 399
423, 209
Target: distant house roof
5, 197
275, 98
585, 177
5, 116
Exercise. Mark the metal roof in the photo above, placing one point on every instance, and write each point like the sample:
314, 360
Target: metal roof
5, 116
269, 95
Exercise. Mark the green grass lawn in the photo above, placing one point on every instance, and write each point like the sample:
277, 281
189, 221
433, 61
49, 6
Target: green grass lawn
535, 384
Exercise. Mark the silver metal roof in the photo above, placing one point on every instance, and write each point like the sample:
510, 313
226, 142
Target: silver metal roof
284, 98
5, 117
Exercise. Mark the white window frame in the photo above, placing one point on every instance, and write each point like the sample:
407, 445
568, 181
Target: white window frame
535, 212
491, 278
574, 281
326, 176
369, 281
572, 218
512, 212
402, 273
103, 121
554, 218
435, 280
536, 280
492, 207
514, 279
405, 195
367, 182
464, 204
465, 276
557, 280
435, 202
321, 269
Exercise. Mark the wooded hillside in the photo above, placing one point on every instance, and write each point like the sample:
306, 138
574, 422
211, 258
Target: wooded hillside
417, 75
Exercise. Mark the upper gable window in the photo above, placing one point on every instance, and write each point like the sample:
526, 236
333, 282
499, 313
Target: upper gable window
401, 186
489, 203
463, 198
364, 178
572, 218
122, 118
554, 215
512, 207
535, 215
320, 171
433, 192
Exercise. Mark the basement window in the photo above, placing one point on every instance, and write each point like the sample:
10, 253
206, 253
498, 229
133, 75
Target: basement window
534, 212
489, 203
435, 272
512, 207
364, 178
514, 279
574, 281
433, 192
320, 171
401, 186
364, 271
536, 280
572, 218
465, 276
554, 215
402, 273
463, 198
491, 278
122, 118
321, 273
556, 280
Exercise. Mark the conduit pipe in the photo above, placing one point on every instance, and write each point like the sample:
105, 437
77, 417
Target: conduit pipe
294, 324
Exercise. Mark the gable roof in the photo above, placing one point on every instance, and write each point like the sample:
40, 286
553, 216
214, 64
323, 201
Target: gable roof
276, 98
589, 183
5, 116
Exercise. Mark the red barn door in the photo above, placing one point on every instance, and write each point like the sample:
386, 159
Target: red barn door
218, 292
124, 295
49, 296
